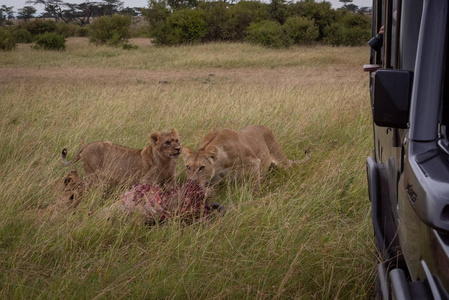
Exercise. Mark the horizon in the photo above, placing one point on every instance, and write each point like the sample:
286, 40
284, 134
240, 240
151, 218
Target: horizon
18, 4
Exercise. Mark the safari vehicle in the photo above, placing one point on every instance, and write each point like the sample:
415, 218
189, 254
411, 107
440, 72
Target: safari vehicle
408, 174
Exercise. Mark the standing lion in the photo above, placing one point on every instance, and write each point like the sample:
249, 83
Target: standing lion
249, 151
116, 164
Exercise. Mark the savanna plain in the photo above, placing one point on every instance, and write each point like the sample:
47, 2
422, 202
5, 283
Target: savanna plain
304, 234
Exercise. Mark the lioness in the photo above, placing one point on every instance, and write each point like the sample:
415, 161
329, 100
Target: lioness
251, 150
68, 192
118, 164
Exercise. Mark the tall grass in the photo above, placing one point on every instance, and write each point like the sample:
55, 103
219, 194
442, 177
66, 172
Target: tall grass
305, 234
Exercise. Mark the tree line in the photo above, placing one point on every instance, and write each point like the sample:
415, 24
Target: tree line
172, 22
66, 12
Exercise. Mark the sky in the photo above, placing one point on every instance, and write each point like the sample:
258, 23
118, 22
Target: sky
144, 3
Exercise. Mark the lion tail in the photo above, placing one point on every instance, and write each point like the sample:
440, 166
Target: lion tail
64, 157
298, 162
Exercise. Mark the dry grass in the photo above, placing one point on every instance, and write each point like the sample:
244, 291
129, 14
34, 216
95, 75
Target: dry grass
306, 234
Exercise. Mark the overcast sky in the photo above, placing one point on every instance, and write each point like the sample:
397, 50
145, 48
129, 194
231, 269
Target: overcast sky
144, 3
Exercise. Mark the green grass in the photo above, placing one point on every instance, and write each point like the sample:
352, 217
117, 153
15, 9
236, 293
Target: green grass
306, 234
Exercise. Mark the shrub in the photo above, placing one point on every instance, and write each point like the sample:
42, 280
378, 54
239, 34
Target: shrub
111, 30
243, 14
66, 30
50, 41
140, 31
182, 27
339, 35
128, 46
38, 27
218, 19
82, 31
301, 30
7, 41
321, 13
157, 13
352, 20
22, 36
357, 36
267, 33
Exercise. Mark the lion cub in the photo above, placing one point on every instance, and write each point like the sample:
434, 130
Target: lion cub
118, 164
247, 152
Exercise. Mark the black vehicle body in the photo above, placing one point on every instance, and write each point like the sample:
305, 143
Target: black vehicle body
408, 174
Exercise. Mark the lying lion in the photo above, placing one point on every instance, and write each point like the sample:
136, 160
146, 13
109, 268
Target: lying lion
250, 151
116, 164
69, 192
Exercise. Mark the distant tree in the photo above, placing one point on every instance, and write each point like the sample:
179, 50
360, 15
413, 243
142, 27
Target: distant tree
181, 4
157, 13
278, 11
321, 13
111, 7
130, 11
55, 8
352, 7
82, 12
345, 2
365, 9
26, 13
6, 14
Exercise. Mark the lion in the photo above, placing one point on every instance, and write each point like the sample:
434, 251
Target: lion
119, 165
69, 191
250, 151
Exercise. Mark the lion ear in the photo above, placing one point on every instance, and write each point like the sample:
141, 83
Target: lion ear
186, 152
212, 152
154, 137
174, 132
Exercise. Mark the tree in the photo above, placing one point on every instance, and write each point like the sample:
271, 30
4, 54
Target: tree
111, 7
364, 10
54, 8
345, 2
26, 13
6, 14
278, 11
352, 7
157, 13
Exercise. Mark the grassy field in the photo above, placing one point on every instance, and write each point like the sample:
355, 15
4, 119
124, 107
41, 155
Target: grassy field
306, 234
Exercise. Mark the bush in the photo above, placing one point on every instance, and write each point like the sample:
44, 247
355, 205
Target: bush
218, 19
38, 27
357, 36
111, 30
182, 27
22, 36
156, 14
82, 31
50, 41
301, 30
66, 30
339, 35
321, 13
140, 31
243, 14
352, 20
267, 33
7, 41
128, 46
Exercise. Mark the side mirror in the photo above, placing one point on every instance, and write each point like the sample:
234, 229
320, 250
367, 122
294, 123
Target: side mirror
391, 98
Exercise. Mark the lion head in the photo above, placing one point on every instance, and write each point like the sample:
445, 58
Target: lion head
200, 165
167, 144
70, 191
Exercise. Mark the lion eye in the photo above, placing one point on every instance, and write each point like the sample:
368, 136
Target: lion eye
202, 168
176, 141
188, 167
